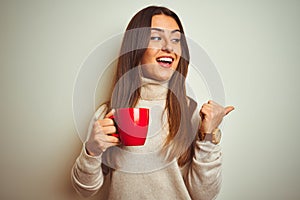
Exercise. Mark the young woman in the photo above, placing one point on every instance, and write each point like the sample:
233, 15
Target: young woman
181, 158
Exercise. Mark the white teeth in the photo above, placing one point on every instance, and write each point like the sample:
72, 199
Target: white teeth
163, 59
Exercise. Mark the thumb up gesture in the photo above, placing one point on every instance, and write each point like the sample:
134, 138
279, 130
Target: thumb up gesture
212, 115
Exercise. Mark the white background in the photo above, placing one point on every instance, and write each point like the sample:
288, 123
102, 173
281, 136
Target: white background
254, 44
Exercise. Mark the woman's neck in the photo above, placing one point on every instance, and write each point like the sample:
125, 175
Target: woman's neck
153, 89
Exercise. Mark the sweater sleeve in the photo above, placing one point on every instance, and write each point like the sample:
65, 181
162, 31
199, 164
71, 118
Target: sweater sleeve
203, 175
87, 174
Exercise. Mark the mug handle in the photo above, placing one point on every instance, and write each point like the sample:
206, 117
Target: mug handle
115, 124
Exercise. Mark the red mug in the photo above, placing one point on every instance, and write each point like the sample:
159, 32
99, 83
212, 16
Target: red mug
132, 125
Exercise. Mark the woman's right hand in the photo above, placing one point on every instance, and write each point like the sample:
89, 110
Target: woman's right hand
100, 138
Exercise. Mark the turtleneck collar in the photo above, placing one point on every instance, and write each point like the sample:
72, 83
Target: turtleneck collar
153, 89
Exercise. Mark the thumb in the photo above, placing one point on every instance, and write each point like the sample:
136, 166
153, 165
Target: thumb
228, 109
111, 113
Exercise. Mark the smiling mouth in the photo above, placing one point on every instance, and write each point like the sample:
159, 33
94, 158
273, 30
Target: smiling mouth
165, 61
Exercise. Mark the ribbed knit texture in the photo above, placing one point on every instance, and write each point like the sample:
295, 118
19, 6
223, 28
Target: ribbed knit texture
141, 172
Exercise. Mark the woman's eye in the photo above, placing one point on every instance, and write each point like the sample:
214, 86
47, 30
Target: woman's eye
155, 38
175, 40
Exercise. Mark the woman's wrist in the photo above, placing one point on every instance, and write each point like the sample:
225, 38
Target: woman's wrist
89, 152
213, 137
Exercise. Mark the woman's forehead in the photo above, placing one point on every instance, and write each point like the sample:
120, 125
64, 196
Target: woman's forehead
164, 22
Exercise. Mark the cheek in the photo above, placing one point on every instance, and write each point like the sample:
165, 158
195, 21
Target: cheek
175, 64
177, 50
149, 56
178, 53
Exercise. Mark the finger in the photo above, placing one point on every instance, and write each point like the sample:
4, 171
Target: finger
109, 130
105, 130
210, 102
108, 139
228, 109
201, 115
106, 122
111, 113
206, 108
113, 139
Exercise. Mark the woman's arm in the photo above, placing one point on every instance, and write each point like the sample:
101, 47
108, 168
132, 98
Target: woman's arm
87, 176
87, 172
203, 175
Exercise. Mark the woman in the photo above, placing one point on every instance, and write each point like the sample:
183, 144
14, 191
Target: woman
151, 73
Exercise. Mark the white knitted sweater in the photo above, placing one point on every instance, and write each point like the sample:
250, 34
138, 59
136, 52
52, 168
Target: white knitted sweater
141, 172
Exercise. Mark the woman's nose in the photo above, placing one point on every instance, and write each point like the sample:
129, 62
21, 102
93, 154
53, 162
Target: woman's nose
167, 47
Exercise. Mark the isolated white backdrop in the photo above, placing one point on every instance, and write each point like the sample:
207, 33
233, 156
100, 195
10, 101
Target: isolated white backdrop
254, 44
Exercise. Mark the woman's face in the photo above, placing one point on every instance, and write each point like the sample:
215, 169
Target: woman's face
161, 58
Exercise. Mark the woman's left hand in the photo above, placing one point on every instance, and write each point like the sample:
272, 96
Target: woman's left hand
212, 115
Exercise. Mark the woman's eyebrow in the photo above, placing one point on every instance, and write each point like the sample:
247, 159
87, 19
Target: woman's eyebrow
157, 29
176, 30
162, 30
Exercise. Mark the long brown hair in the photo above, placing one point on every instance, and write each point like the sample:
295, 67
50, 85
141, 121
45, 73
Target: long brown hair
181, 138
